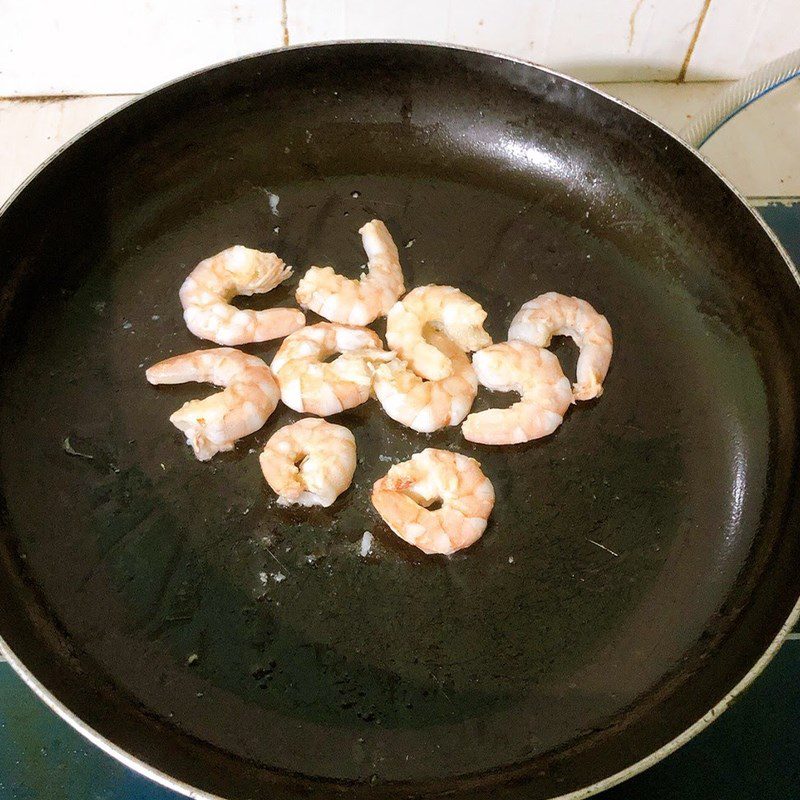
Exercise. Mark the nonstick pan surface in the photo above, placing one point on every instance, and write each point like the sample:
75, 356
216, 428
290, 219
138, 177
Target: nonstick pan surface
638, 563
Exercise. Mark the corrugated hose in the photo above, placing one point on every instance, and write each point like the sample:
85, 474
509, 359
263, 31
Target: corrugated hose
740, 95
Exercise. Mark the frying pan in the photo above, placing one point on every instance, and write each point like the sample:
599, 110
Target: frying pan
641, 564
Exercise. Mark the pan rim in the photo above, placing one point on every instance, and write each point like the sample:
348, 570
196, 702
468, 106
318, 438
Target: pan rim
162, 778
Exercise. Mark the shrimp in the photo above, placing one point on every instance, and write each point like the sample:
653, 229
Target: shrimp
554, 314
401, 498
213, 425
444, 308
207, 291
427, 406
309, 463
357, 302
536, 375
310, 385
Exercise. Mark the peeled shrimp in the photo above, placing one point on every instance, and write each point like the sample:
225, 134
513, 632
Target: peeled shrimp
309, 463
309, 384
536, 375
444, 308
214, 424
427, 406
467, 496
207, 291
554, 314
357, 302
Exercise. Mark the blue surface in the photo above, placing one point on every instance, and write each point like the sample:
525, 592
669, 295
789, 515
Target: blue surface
43, 758
751, 753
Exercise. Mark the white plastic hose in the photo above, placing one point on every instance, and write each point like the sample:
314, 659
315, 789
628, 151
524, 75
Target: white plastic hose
740, 95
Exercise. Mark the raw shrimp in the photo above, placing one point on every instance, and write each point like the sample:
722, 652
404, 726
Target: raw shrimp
467, 496
309, 384
554, 314
213, 425
357, 302
537, 376
309, 463
207, 291
424, 405
444, 308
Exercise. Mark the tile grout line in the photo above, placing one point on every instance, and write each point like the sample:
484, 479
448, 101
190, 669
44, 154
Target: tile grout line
693, 41
45, 99
285, 22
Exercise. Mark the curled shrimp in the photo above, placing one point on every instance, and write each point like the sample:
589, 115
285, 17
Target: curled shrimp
427, 406
213, 425
309, 384
554, 314
309, 463
402, 496
545, 394
357, 302
441, 307
207, 291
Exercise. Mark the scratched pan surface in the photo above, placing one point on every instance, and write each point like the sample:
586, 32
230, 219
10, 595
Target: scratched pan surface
637, 563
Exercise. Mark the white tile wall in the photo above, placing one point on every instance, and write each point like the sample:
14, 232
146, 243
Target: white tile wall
738, 36
518, 27
87, 47
618, 40
52, 47
310, 21
608, 40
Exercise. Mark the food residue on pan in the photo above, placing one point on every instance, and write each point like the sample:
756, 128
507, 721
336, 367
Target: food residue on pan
70, 450
366, 544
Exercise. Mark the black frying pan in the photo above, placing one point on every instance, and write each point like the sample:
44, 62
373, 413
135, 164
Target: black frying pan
138, 585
